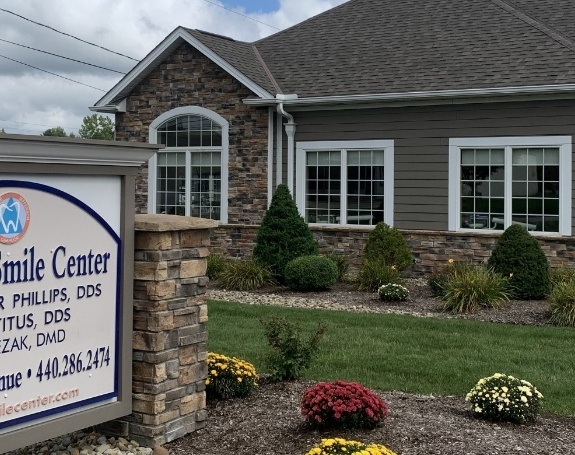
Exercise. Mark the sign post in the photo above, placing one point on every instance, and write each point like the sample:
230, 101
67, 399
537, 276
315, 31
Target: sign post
66, 271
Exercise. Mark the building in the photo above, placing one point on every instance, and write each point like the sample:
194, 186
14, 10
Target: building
449, 120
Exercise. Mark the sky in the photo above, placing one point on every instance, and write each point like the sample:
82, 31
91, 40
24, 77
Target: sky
121, 33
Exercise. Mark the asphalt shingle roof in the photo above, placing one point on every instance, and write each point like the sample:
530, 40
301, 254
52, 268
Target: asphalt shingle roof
390, 46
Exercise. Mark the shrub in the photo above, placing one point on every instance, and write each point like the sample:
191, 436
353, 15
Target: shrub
469, 287
310, 273
244, 275
229, 377
387, 246
340, 446
342, 404
561, 275
289, 353
392, 292
283, 234
216, 264
373, 274
518, 255
342, 263
502, 397
562, 299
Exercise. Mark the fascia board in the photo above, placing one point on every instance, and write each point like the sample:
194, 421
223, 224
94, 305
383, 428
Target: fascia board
142, 69
429, 96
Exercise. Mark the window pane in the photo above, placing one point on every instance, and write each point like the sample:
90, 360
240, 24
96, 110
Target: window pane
365, 187
467, 157
170, 183
551, 156
482, 187
205, 197
182, 138
171, 140
182, 123
322, 187
217, 137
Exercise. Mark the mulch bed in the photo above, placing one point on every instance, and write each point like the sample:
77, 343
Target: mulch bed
269, 422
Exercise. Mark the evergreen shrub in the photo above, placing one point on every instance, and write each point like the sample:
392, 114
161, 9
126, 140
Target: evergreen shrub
387, 246
310, 273
283, 234
518, 256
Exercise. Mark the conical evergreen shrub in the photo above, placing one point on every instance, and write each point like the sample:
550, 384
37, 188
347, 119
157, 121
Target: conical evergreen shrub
518, 256
283, 234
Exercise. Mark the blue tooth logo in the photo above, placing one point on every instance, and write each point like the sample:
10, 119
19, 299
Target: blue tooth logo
14, 217
10, 218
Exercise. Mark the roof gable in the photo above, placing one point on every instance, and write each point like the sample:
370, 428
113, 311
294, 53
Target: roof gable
227, 47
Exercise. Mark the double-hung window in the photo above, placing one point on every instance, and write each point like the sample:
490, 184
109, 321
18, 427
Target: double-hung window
345, 182
189, 177
499, 181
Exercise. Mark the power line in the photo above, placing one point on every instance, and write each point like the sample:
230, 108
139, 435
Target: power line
35, 124
239, 14
53, 74
61, 56
67, 34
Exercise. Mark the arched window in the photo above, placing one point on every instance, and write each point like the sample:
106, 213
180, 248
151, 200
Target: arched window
189, 176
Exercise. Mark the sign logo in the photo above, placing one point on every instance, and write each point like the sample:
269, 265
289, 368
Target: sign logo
14, 217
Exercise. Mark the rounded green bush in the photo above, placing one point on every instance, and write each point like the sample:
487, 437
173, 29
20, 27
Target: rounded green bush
519, 257
387, 246
310, 273
283, 234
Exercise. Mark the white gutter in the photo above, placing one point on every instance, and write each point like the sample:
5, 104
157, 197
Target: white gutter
423, 95
290, 132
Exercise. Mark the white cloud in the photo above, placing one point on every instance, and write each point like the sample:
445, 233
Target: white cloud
132, 28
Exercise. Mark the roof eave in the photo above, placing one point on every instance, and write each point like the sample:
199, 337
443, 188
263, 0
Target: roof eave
406, 97
158, 54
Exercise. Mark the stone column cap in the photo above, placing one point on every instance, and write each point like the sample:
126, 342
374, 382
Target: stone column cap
164, 223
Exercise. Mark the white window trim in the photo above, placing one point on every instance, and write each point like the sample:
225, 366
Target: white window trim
388, 173
565, 177
153, 163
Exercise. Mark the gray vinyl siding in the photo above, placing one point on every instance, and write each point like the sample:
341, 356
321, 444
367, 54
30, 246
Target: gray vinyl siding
421, 136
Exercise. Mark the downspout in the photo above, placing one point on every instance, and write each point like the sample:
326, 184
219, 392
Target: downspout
290, 132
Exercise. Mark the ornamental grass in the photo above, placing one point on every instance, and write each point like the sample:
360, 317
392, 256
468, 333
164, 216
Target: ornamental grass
229, 377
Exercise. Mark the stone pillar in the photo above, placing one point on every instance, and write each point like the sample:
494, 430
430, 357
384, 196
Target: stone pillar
170, 337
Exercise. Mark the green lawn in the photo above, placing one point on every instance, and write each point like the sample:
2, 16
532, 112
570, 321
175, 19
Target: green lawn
412, 354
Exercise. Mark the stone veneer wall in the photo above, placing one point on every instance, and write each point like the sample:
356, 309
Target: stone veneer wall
188, 78
170, 336
431, 249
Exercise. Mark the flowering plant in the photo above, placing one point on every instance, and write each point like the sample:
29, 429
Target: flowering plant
502, 397
340, 446
392, 292
342, 404
229, 376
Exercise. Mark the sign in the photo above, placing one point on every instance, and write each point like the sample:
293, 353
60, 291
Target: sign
60, 294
